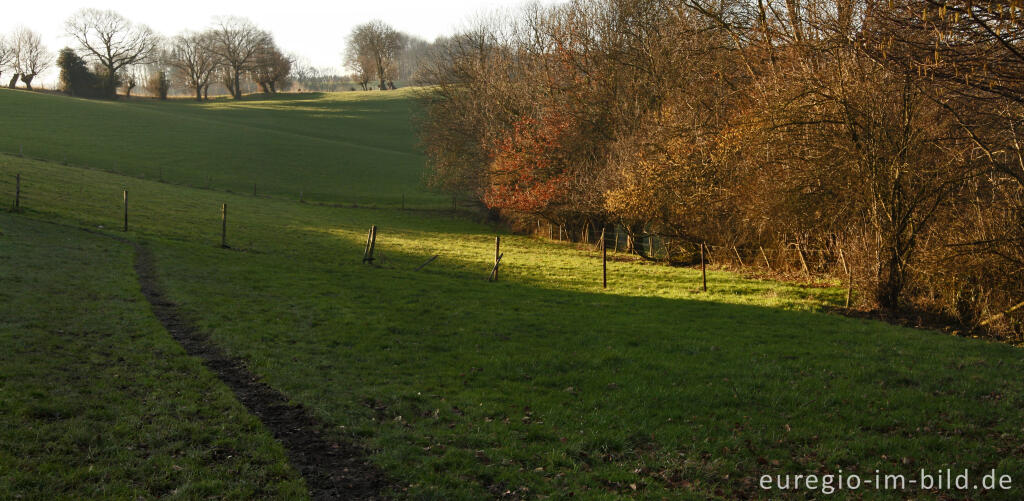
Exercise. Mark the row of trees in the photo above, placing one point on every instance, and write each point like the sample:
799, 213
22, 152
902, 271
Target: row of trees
112, 53
23, 54
884, 135
228, 52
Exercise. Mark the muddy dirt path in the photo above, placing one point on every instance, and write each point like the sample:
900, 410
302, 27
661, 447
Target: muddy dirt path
333, 470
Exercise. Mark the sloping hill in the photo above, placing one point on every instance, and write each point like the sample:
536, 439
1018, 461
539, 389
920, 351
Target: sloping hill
542, 384
343, 148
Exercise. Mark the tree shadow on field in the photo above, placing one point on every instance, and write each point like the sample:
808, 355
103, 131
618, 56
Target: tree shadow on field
646, 385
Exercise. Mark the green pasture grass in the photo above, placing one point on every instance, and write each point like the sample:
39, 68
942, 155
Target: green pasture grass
96, 400
544, 384
354, 147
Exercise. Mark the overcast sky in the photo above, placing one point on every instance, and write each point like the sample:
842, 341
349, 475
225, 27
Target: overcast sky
314, 30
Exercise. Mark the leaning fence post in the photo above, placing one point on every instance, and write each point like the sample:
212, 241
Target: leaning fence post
432, 258
224, 226
738, 258
803, 262
765, 256
371, 242
842, 259
497, 256
366, 248
125, 210
703, 268
494, 270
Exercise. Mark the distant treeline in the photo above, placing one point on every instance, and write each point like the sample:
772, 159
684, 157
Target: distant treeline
112, 54
883, 134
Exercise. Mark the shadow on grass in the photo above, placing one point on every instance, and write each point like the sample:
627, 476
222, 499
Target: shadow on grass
633, 387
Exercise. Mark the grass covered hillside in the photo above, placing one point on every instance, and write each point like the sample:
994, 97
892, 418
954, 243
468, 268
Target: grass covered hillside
345, 147
542, 384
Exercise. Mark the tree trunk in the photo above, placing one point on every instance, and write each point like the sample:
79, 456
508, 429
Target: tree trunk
199, 93
27, 80
264, 88
13, 82
891, 279
206, 92
111, 83
237, 90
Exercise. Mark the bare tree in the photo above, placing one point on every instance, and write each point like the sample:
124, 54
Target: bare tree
6, 55
361, 65
193, 57
112, 41
129, 79
374, 44
237, 41
271, 67
31, 57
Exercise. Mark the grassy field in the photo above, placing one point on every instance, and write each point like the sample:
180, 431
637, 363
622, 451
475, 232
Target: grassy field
346, 148
97, 400
542, 384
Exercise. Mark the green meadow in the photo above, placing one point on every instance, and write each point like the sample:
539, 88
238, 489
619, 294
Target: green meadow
542, 384
342, 148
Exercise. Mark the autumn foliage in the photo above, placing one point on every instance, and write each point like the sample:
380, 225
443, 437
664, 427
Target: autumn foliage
882, 136
528, 172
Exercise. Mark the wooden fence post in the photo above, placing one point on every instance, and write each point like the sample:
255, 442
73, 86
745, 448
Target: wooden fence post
738, 258
366, 249
403, 201
497, 256
849, 286
604, 261
842, 259
17, 192
803, 262
224, 226
371, 242
125, 210
494, 270
431, 260
254, 188
703, 268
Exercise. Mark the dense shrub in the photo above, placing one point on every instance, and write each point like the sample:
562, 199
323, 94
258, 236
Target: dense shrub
856, 138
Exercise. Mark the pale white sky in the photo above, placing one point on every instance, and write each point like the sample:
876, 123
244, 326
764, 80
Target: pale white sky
315, 30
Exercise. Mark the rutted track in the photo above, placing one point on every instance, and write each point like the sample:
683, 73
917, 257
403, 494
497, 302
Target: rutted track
332, 470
